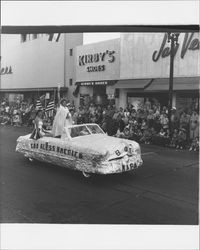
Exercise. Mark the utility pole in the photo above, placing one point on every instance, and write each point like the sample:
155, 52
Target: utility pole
64, 71
173, 38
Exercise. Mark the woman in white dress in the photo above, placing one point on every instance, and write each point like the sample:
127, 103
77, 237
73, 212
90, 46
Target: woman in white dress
62, 119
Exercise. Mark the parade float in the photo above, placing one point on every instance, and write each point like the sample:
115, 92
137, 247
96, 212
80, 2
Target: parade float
85, 148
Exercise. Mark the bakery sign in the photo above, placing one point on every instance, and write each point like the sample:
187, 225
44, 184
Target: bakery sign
96, 62
189, 43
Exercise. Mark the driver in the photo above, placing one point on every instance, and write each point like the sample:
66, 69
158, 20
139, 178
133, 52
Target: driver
84, 131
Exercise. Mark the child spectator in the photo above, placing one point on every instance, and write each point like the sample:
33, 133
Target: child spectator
160, 138
5, 119
127, 133
174, 139
195, 144
16, 117
144, 125
167, 138
146, 137
139, 134
181, 139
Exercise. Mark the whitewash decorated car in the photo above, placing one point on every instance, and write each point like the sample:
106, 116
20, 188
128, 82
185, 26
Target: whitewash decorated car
85, 148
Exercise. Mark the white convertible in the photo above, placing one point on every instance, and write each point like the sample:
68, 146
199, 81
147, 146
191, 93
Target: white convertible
85, 148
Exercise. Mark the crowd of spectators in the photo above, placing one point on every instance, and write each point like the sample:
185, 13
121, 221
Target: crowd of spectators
148, 124
16, 114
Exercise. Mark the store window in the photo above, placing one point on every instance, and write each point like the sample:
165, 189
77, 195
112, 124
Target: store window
71, 52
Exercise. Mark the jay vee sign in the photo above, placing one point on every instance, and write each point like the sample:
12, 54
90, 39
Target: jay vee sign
189, 43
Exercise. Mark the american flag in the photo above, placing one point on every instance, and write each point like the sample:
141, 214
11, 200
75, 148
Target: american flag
49, 109
38, 104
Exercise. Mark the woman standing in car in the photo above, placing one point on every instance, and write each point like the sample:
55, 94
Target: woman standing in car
62, 119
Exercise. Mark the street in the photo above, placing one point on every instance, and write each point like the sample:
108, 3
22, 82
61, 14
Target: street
164, 190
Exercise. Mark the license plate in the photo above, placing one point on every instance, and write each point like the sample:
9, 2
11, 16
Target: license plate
128, 166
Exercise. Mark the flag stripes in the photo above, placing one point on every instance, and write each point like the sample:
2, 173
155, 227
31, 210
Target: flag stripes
38, 104
49, 109
50, 106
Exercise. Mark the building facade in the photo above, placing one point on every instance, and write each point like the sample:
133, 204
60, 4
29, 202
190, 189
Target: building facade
145, 67
140, 70
97, 70
129, 70
36, 64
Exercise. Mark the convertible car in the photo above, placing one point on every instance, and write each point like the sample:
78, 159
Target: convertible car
85, 148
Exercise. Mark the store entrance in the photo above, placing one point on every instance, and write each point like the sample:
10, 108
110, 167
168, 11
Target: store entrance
99, 95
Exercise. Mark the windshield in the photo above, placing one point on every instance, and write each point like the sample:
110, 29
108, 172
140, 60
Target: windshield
85, 130
79, 131
95, 129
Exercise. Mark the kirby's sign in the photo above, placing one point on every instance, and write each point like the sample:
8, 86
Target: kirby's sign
189, 43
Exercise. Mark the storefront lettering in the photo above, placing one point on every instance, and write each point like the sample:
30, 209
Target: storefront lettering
96, 68
188, 44
97, 57
94, 83
48, 147
6, 71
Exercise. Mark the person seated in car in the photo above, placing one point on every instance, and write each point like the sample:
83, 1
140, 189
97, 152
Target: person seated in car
39, 131
84, 131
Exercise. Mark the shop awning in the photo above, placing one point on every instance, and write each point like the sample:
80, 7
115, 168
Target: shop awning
132, 83
179, 83
33, 89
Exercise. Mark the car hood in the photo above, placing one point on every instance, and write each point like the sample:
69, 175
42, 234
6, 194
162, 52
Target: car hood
104, 144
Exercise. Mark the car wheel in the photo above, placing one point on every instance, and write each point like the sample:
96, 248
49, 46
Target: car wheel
87, 175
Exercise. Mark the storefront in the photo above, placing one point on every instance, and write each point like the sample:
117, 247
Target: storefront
97, 71
135, 69
145, 67
36, 65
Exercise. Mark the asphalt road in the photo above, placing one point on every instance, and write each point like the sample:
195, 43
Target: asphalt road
163, 191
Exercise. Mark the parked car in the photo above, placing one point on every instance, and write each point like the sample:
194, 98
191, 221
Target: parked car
85, 148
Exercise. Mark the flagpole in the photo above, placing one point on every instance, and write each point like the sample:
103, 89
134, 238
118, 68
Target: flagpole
45, 103
54, 95
58, 94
